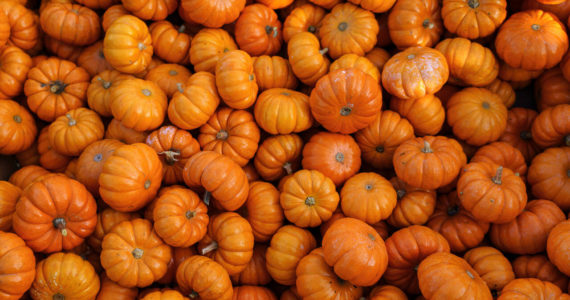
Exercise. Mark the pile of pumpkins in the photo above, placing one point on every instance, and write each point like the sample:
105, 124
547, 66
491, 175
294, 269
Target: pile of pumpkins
285, 149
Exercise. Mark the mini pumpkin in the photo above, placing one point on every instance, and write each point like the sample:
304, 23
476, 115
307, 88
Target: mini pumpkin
548, 176
273, 72
502, 154
170, 42
71, 133
475, 18
493, 267
27, 175
304, 18
426, 114
378, 57
169, 77
18, 270
212, 14
518, 131
235, 79
106, 221
278, 156
9, 195
24, 27
49, 158
91, 160
283, 111
208, 45
368, 197
415, 23
200, 276
414, 206
99, 90
263, 210
384, 292
127, 45
539, 267
551, 127
151, 10
531, 288
551, 89
14, 66
359, 62
255, 273
116, 130
111, 14
504, 90
70, 23
307, 58
18, 129
557, 245
258, 30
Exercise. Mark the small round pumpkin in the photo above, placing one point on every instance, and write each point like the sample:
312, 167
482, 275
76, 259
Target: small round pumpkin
308, 60
111, 14
504, 90
359, 62
99, 91
91, 160
24, 27
253, 293
71, 133
263, 210
151, 10
255, 273
304, 18
531, 288
426, 114
200, 276
27, 175
502, 154
412, 23
414, 206
128, 45
9, 196
208, 46
475, 18
14, 66
378, 57
273, 72
518, 131
368, 197
278, 156
116, 130
18, 128
258, 30
493, 267
548, 176
283, 111
70, 23
18, 263
170, 42
49, 158
212, 14
551, 127
106, 221
169, 77
551, 89
557, 245
539, 267
235, 79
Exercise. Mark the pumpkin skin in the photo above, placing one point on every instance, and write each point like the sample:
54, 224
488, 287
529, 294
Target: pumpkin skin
469, 62
50, 219
517, 77
134, 248
368, 197
169, 77
355, 251
273, 72
536, 221
263, 211
477, 116
193, 105
18, 128
335, 155
205, 169
415, 72
174, 147
557, 245
346, 100
518, 131
440, 270
49, 158
72, 133
456, 224
278, 156
65, 276
387, 292
429, 162
414, 206
14, 66
164, 295
406, 248
54, 87
116, 130
548, 176
24, 27
473, 19
539, 267
502, 154
128, 45
493, 267
316, 280
283, 111
378, 57
304, 18
290, 294
202, 276
308, 198
169, 42
72, 24
348, 29
551, 127
412, 23
178, 256
9, 195
287, 247
61, 50
130, 177
379, 140
359, 62
92, 59
504, 90
235, 79
27, 175
180, 217
208, 46
426, 114
212, 14
4, 29
258, 30
18, 263
531, 288
111, 14
91, 160
551, 89
253, 293
308, 60
151, 10
232, 133
106, 221
99, 91
540, 44
255, 273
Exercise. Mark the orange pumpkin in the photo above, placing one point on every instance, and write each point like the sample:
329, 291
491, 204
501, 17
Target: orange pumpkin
97, 4
116, 130
169, 77
98, 92
212, 14
517, 77
111, 14
14, 66
208, 46
548, 176
106, 221
19, 266
199, 276
308, 60
263, 210
502, 154
9, 195
348, 29
415, 72
273, 72
27, 175
539, 267
378, 57
504, 90
518, 131
426, 114
556, 246
72, 133
304, 18
29, 156
414, 206
493, 267
91, 160
235, 79
169, 42
4, 29
531, 288
255, 273
70, 23
415, 23
128, 45
151, 10
18, 128
61, 49
359, 62
93, 60
551, 89
283, 111
368, 197
551, 127
278, 156
387, 292
258, 30
49, 158
24, 25
475, 18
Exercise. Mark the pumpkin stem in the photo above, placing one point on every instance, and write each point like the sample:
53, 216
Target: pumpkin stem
469, 274
172, 72
58, 296
310, 201
535, 27
567, 140
473, 3
147, 184
427, 148
498, 176
428, 24
380, 149
146, 92
342, 26
17, 119
211, 247
141, 46
222, 135
179, 87
368, 186
486, 105
339, 157
70, 120
170, 156
137, 253
288, 168
401, 193
190, 214
526, 135
60, 224
57, 87
324, 51
98, 157
312, 29
182, 28
206, 197
452, 210
345, 110
371, 237
193, 295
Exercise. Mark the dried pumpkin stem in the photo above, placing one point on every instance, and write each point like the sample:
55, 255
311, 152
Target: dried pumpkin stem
497, 179
206, 198
190, 214
57, 87
211, 247
182, 28
339, 157
170, 156
310, 201
312, 29
222, 135
453, 210
60, 224
469, 274
324, 51
428, 24
58, 296
179, 87
70, 120
473, 3
567, 140
427, 148
401, 193
137, 253
193, 295
288, 168
380, 149
17, 119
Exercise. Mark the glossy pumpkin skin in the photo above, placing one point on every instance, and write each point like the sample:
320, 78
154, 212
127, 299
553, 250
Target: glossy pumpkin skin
387, 292
169, 77
517, 77
557, 245
99, 91
219, 175
208, 45
50, 220
111, 14
551, 127
456, 224
107, 220
263, 211
412, 23
502, 154
473, 19
493, 267
9, 196
170, 42
24, 27
308, 198
258, 30
253, 293
61, 50
531, 288
178, 256
65, 276
71, 133
49, 158
307, 58
414, 206
406, 248
335, 155
54, 87
368, 197
442, 270
278, 156
235, 79
164, 295
317, 280
415, 72
151, 10
273, 72
27, 175
476, 116
18, 263
539, 267
548, 176
304, 18
212, 14
18, 128
426, 114
205, 277
91, 160
359, 62
283, 111
255, 273
72, 24
346, 100
518, 132
379, 140
193, 105
287, 247
116, 130
130, 177
551, 89
540, 44
180, 217
128, 45
469, 62
429, 162
378, 57
14, 66
92, 59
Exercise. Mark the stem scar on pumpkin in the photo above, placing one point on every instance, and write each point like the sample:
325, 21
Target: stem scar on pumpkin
310, 201
17, 119
58, 296
60, 224
497, 179
137, 253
